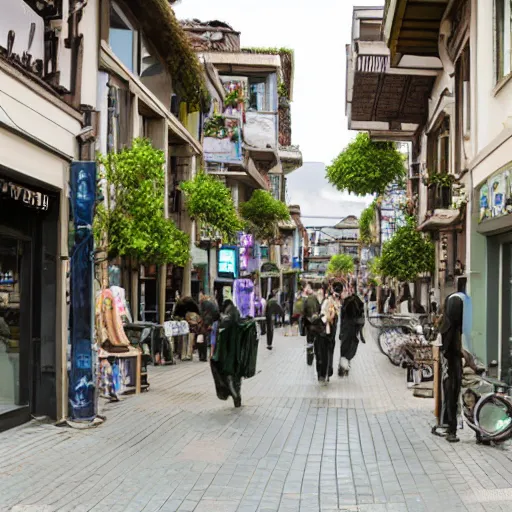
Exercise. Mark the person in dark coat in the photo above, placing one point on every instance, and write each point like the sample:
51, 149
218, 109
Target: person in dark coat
272, 310
226, 357
351, 331
451, 331
210, 314
311, 311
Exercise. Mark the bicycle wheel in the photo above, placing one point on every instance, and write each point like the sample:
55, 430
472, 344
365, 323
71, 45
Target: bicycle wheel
383, 342
395, 342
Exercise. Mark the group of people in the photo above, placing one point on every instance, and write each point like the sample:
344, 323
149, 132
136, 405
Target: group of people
324, 306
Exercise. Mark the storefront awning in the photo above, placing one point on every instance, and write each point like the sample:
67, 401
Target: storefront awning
441, 219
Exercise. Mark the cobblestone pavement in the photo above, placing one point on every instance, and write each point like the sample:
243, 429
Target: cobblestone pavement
362, 443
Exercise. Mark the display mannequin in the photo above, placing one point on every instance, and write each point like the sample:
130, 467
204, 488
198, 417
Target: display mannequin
451, 331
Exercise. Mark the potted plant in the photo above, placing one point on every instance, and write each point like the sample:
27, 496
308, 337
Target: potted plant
442, 182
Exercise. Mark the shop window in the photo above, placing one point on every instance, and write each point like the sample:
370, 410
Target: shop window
123, 38
502, 29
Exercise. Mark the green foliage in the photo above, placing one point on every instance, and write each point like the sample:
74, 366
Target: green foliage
209, 201
133, 221
340, 265
269, 51
366, 167
375, 267
233, 98
365, 224
282, 90
262, 213
407, 254
441, 179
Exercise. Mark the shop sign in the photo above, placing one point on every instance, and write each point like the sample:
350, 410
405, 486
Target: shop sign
227, 262
11, 190
495, 196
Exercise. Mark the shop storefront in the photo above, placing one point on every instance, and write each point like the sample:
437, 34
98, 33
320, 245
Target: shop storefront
495, 224
28, 299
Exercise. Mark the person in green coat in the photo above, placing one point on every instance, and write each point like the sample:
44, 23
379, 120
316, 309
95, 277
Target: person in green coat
225, 361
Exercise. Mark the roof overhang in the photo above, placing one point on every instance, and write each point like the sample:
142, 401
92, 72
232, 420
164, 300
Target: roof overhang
291, 158
243, 60
411, 28
382, 100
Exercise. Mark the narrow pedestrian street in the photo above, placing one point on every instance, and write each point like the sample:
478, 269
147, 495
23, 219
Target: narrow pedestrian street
357, 444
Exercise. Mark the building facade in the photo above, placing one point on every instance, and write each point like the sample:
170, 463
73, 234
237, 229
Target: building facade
452, 74
246, 139
47, 84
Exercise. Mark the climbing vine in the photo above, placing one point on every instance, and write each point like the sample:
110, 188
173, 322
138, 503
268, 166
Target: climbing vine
340, 265
262, 213
132, 220
366, 167
209, 201
407, 254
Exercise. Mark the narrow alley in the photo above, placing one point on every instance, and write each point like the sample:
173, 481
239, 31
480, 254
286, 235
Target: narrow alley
357, 444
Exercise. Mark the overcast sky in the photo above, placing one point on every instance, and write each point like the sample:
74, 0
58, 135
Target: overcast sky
318, 32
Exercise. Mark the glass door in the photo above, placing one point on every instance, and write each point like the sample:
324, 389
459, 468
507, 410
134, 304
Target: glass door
506, 314
11, 322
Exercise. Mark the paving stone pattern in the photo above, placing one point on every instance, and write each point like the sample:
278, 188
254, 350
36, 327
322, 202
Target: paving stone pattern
362, 443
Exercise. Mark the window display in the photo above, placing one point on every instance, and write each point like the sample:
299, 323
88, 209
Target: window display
10, 254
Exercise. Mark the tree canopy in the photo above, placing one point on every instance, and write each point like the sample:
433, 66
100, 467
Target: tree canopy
132, 221
209, 201
262, 213
366, 167
407, 254
340, 265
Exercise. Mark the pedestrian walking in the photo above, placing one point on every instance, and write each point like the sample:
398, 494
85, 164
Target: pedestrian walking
310, 317
351, 331
226, 355
272, 311
210, 314
325, 339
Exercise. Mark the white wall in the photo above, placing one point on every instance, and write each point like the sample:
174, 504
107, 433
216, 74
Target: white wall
260, 129
494, 108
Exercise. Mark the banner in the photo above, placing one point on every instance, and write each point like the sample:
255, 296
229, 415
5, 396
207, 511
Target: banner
82, 382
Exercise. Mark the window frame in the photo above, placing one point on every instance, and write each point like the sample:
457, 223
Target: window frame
125, 18
502, 38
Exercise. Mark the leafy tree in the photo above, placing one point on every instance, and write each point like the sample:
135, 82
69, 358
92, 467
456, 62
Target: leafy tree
209, 201
262, 213
133, 220
366, 167
365, 224
340, 265
407, 254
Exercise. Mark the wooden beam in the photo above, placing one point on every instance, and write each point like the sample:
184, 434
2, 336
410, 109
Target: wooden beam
422, 25
396, 27
429, 35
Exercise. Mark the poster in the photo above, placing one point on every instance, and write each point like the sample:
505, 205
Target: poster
498, 189
484, 202
82, 387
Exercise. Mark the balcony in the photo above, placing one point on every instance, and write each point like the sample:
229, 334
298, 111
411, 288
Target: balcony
390, 103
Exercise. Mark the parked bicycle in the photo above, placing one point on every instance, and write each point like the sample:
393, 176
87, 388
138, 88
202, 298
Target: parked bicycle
403, 338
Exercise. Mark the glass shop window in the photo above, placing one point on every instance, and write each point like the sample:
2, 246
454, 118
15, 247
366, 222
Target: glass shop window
123, 38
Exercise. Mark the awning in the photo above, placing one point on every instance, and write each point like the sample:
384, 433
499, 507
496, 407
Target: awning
441, 219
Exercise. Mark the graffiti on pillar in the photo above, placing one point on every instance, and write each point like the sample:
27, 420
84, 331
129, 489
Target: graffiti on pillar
82, 387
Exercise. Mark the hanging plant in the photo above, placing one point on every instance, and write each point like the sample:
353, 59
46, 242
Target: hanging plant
441, 179
366, 222
262, 213
133, 219
367, 167
375, 268
234, 98
407, 254
215, 126
340, 265
209, 201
